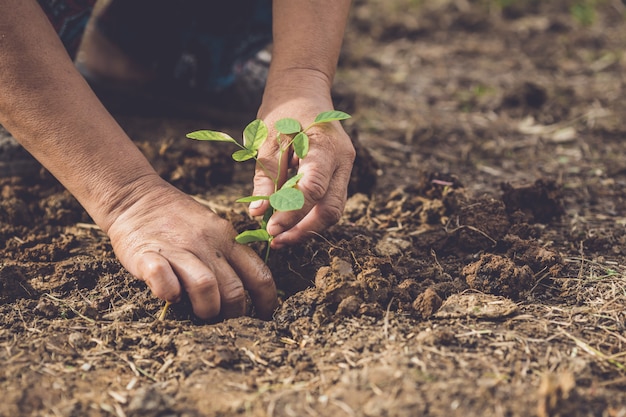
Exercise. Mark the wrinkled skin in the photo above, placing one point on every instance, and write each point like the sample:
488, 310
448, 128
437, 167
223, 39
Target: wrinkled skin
191, 249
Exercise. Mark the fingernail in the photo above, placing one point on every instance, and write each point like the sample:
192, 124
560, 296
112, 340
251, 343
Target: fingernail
277, 245
255, 205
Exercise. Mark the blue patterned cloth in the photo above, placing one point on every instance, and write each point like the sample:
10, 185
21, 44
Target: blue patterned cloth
199, 44
69, 18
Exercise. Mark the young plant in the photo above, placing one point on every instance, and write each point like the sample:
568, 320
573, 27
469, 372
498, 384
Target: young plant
286, 197
290, 135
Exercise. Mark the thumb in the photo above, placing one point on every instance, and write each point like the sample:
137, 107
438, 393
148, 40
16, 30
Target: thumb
269, 173
263, 186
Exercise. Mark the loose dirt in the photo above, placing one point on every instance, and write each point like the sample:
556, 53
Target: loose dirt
479, 268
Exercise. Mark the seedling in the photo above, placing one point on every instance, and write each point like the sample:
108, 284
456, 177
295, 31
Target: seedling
286, 196
291, 135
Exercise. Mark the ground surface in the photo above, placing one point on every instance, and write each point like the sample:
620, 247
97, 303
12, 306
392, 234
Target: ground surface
484, 275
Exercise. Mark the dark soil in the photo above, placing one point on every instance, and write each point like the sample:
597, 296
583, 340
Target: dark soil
479, 268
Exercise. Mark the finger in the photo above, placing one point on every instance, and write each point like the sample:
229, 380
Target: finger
157, 273
265, 172
200, 283
323, 215
327, 211
257, 279
232, 294
263, 185
317, 170
294, 161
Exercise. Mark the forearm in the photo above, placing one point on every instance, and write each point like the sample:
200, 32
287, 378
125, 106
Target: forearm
307, 41
52, 112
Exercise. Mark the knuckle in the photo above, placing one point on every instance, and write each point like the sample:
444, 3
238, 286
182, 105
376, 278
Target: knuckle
267, 157
262, 181
268, 150
202, 284
233, 293
263, 281
331, 214
340, 143
153, 269
314, 188
154, 275
350, 153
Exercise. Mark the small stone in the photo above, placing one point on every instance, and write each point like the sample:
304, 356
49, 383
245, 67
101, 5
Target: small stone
476, 305
349, 306
376, 287
337, 281
392, 247
493, 274
427, 303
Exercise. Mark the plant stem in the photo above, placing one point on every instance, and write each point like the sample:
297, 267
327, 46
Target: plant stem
281, 151
267, 251
164, 311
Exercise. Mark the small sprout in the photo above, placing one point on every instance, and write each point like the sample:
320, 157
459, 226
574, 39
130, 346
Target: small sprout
164, 311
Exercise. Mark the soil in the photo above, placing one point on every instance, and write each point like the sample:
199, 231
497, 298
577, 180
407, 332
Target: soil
479, 268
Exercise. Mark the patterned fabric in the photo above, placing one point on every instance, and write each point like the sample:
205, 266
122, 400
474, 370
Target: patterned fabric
200, 44
69, 18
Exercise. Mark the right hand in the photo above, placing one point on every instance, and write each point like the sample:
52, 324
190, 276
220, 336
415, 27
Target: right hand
326, 169
175, 244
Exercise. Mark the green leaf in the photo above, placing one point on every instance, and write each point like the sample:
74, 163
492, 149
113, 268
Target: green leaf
249, 236
292, 182
287, 199
252, 198
301, 145
288, 126
244, 155
254, 135
329, 116
210, 135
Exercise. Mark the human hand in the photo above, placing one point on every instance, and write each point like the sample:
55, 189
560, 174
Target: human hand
326, 171
159, 234
173, 243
